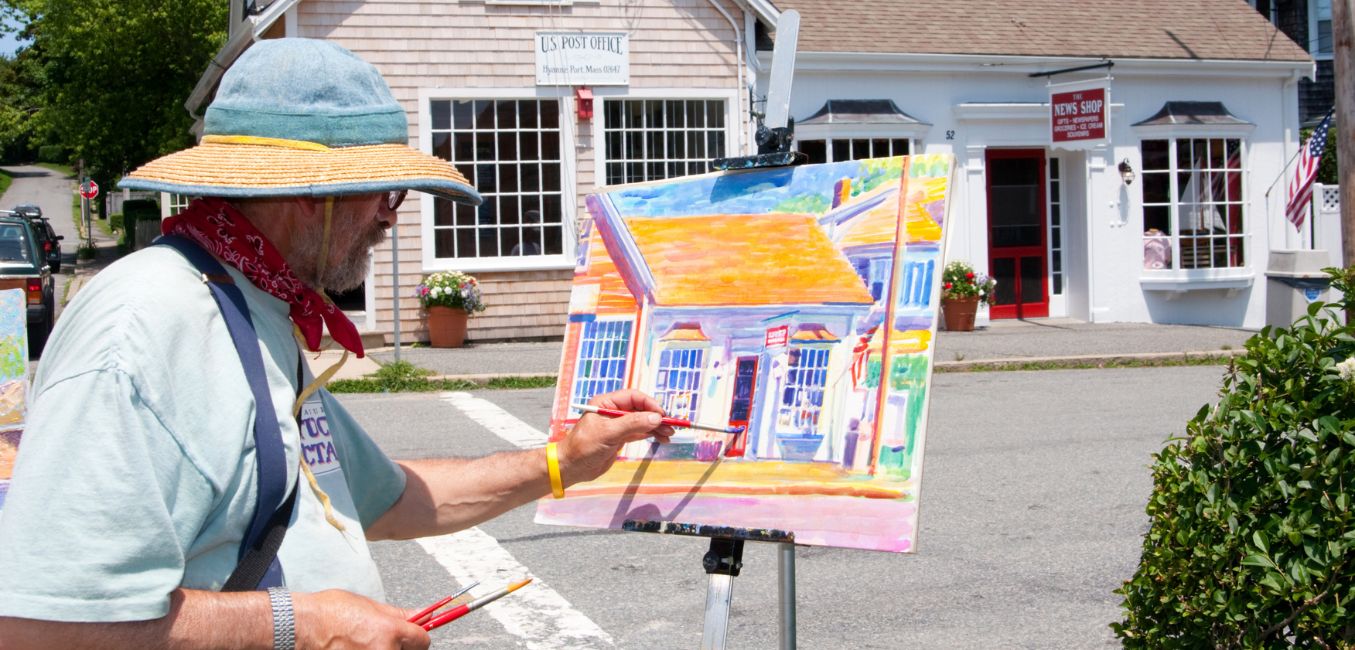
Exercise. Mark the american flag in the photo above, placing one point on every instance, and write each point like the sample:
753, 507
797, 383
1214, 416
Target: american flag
1301, 186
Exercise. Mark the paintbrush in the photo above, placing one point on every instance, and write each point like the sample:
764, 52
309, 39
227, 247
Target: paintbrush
672, 422
461, 610
427, 612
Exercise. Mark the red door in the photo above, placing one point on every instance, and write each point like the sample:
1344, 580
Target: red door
1018, 255
745, 384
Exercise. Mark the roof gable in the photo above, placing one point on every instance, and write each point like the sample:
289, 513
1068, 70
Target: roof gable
1154, 29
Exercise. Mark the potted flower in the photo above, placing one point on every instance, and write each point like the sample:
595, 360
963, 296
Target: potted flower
962, 291
449, 297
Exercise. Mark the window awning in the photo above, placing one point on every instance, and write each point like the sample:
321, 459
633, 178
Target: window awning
813, 334
686, 333
1194, 113
860, 111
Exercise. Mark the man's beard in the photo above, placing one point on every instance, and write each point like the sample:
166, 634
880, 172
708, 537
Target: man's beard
349, 273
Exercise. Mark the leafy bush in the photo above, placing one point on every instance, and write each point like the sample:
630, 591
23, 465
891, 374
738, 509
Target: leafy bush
1252, 539
52, 153
134, 210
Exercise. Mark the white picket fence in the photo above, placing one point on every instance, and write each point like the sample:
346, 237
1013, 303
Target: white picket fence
1324, 223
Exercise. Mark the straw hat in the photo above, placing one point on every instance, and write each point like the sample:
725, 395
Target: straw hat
302, 117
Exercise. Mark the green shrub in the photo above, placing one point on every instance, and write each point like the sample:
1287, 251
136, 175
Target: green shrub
1251, 541
115, 221
135, 210
52, 153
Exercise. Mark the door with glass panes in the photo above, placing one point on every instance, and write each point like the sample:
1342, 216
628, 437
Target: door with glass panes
1018, 255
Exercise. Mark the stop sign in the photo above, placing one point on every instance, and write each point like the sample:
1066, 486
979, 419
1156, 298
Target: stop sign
89, 189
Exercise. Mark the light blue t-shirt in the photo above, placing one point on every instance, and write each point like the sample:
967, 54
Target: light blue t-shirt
136, 474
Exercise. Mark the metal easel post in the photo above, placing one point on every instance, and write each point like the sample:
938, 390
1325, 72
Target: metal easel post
722, 562
785, 565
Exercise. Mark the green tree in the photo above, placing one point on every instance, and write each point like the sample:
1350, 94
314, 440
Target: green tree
112, 75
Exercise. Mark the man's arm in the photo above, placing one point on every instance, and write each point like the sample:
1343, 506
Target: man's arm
239, 621
446, 495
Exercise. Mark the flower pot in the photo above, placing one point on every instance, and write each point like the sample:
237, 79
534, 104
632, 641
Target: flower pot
959, 313
446, 327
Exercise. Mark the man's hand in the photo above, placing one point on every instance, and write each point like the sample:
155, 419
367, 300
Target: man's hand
591, 446
339, 619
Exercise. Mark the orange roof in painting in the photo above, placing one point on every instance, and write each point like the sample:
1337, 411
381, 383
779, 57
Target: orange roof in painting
613, 296
745, 260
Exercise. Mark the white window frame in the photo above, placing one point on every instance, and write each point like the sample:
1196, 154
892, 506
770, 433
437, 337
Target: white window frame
853, 133
601, 95
624, 359
1312, 33
1177, 279
914, 133
569, 189
1055, 195
660, 393
783, 409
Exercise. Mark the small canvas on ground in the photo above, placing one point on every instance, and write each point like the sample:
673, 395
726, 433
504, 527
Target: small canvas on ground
13, 380
796, 305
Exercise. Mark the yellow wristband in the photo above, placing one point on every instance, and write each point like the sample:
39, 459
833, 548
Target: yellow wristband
557, 486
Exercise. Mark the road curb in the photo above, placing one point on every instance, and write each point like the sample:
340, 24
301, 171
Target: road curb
1091, 361
1023, 363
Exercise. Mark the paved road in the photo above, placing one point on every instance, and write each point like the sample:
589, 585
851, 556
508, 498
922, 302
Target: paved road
1032, 511
52, 192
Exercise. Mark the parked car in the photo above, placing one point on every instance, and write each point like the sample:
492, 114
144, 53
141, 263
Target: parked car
22, 266
30, 210
42, 228
50, 242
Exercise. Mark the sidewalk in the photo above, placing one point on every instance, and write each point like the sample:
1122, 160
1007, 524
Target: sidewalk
1055, 342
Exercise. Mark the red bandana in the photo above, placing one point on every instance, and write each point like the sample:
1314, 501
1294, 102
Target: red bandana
224, 232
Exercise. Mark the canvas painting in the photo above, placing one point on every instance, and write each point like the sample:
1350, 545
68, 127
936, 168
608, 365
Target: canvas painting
13, 380
795, 306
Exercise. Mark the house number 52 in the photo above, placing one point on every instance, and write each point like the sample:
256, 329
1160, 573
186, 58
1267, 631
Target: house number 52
950, 135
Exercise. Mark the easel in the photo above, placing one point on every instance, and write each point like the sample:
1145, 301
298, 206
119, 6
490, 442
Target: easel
722, 563
724, 560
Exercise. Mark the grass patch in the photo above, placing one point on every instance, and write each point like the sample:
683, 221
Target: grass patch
1086, 364
405, 377
5, 181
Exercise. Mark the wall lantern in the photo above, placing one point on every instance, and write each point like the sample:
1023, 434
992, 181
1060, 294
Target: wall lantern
583, 100
1126, 172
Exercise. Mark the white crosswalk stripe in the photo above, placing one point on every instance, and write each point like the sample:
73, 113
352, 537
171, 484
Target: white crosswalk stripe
537, 614
502, 423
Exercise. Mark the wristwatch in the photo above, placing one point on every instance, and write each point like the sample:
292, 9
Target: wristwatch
284, 622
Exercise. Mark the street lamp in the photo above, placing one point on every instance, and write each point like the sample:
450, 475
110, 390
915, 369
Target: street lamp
1126, 172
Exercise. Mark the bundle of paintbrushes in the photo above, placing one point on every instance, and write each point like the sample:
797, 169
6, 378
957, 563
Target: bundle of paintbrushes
430, 621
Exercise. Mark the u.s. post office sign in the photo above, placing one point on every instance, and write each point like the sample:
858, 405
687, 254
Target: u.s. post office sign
582, 59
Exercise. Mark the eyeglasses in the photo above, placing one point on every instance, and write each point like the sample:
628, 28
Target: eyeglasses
395, 198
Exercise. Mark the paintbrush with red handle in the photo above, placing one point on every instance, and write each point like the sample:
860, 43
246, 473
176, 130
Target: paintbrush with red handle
672, 422
461, 610
427, 612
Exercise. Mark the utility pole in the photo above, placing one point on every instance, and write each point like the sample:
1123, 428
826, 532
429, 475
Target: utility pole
1343, 38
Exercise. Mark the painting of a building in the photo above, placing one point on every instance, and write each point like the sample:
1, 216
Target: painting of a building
795, 306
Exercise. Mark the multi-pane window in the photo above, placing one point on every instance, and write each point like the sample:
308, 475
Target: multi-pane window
602, 359
654, 139
1055, 227
843, 149
1193, 206
1319, 25
802, 399
679, 382
510, 152
178, 202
